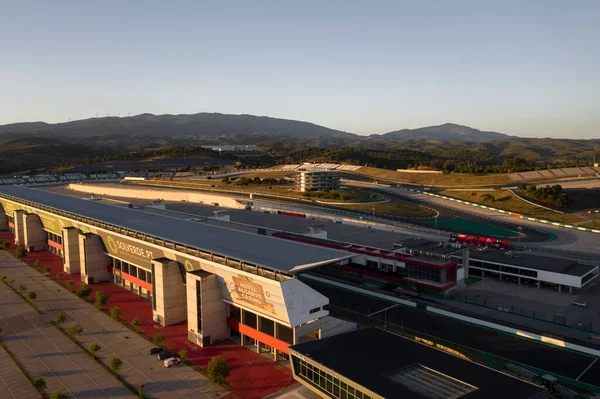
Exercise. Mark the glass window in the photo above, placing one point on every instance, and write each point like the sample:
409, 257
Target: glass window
142, 274
133, 270
329, 386
125, 267
336, 390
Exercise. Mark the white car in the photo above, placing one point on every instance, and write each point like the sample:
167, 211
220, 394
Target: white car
173, 361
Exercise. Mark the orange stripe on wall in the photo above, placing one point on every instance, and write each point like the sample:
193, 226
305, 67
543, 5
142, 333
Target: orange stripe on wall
257, 335
134, 280
11, 225
54, 244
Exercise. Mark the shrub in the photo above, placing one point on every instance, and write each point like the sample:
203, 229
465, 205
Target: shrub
59, 274
115, 312
2, 278
84, 291
36, 263
5, 245
31, 296
135, 322
93, 348
39, 384
218, 370
69, 284
115, 363
59, 395
75, 329
46, 269
21, 253
141, 391
22, 288
60, 317
183, 354
159, 339
101, 299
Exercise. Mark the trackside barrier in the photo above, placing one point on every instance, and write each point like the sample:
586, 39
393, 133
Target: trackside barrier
518, 215
361, 291
520, 333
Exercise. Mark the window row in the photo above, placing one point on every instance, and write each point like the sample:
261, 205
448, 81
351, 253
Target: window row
132, 270
326, 382
54, 237
504, 269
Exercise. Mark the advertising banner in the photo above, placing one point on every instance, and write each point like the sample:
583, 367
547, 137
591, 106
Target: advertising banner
261, 296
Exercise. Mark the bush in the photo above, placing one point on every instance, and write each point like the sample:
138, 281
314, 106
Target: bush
218, 370
36, 263
60, 317
141, 391
135, 322
69, 284
75, 329
21, 253
93, 348
183, 354
31, 296
115, 312
46, 269
22, 288
59, 395
5, 245
2, 278
159, 339
59, 274
39, 384
84, 291
115, 363
101, 299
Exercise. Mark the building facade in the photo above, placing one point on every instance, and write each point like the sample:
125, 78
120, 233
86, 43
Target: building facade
225, 283
317, 180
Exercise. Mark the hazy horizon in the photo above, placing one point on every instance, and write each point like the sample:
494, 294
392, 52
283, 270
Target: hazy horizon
362, 68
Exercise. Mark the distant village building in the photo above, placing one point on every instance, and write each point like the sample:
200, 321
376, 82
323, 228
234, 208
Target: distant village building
231, 148
317, 180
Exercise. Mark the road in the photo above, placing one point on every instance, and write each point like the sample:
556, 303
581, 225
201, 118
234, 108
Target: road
546, 357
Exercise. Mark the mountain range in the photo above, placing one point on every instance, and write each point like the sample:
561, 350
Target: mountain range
231, 128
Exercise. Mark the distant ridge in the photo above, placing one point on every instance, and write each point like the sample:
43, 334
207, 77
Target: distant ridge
216, 125
445, 132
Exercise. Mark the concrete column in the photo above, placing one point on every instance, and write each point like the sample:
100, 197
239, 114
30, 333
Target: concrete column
92, 259
213, 309
570, 290
3, 219
276, 351
518, 280
34, 233
242, 337
19, 227
72, 262
559, 288
258, 327
169, 292
466, 260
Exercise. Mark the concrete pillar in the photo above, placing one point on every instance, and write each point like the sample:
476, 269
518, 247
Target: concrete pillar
34, 233
3, 219
242, 336
71, 251
213, 309
169, 292
466, 260
570, 290
92, 259
18, 216
518, 280
276, 351
259, 328
559, 288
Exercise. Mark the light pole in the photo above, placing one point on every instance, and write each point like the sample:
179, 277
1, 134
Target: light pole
519, 229
373, 212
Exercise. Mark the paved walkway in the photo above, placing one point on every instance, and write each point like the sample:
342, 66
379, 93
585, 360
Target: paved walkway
45, 352
115, 339
13, 383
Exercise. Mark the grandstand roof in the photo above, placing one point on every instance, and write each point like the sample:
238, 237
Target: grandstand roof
269, 252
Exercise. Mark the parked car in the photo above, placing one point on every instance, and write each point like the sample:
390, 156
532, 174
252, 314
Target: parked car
165, 355
155, 351
172, 361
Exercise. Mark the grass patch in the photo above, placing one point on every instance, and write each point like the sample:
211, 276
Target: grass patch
431, 179
472, 280
396, 207
507, 201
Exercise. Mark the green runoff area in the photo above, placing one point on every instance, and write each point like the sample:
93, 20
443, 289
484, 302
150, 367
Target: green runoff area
506, 200
468, 226
349, 198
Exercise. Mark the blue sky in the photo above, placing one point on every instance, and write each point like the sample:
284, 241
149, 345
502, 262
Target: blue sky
529, 68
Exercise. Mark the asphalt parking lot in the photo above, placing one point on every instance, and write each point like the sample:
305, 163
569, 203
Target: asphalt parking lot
520, 350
